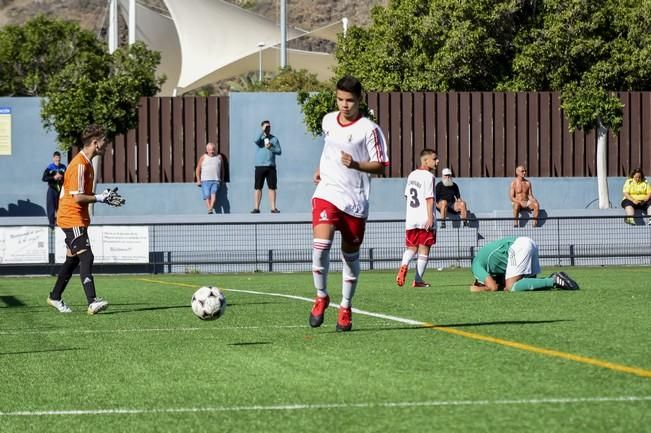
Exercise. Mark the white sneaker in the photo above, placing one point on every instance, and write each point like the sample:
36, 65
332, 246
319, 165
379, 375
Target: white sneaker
59, 305
97, 305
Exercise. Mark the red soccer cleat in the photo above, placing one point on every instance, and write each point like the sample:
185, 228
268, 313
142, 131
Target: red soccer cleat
420, 284
344, 321
318, 309
402, 274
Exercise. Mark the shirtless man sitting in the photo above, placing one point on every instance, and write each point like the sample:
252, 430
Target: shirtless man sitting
521, 195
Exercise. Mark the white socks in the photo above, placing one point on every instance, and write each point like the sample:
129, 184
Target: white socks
407, 256
321, 265
350, 273
421, 265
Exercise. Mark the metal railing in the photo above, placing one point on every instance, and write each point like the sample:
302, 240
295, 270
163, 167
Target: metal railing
287, 246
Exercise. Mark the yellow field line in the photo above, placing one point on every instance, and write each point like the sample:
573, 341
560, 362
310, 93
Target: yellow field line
165, 282
513, 344
549, 352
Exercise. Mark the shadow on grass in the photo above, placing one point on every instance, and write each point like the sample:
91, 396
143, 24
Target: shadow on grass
137, 310
29, 352
172, 307
11, 301
252, 343
44, 307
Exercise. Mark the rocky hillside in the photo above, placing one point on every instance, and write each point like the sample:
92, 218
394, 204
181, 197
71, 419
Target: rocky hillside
91, 14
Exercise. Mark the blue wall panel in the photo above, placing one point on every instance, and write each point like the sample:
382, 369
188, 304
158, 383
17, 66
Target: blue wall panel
22, 193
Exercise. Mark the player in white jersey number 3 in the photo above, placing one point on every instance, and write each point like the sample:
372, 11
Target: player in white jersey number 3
354, 149
420, 218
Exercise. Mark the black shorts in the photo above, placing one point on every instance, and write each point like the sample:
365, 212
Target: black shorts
77, 239
450, 206
641, 206
265, 172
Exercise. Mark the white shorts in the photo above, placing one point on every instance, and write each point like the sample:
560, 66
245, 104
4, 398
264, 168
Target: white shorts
523, 258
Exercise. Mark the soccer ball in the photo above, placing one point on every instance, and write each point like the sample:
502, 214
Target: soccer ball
208, 303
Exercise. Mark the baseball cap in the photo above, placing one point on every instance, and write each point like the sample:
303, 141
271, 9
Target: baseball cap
447, 172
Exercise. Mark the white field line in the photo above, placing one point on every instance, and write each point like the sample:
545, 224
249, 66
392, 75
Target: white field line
298, 407
355, 310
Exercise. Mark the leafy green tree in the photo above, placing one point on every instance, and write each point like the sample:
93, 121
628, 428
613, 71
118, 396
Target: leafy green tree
203, 91
285, 80
31, 54
79, 81
315, 106
425, 45
106, 94
293, 80
433, 45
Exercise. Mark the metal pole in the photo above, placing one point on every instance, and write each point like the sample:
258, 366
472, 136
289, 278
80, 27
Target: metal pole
260, 46
113, 26
283, 33
132, 22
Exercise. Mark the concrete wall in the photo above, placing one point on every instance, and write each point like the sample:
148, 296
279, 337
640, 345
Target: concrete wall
23, 192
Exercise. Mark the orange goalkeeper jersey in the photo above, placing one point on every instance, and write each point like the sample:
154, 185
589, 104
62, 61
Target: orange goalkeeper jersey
77, 180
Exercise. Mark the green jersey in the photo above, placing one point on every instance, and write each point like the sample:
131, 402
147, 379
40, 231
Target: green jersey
492, 259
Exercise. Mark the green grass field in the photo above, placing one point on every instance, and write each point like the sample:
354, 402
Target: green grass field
439, 359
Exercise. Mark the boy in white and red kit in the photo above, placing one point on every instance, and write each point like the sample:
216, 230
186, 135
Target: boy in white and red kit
354, 149
420, 218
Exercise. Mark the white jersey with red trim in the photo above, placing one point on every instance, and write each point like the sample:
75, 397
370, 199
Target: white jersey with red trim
346, 188
420, 187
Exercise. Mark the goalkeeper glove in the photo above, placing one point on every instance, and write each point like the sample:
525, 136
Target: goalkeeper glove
101, 198
111, 197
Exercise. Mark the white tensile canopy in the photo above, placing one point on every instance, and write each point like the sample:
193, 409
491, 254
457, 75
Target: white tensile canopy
205, 41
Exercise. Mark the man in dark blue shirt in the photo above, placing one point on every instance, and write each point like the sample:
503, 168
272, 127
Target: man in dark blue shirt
53, 175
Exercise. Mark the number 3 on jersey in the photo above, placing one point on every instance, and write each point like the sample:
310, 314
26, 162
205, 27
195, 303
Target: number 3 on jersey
414, 202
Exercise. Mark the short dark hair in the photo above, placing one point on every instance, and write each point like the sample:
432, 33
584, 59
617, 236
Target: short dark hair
92, 132
426, 151
56, 153
350, 84
265, 121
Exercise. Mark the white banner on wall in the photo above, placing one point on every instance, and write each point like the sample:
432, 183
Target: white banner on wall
5, 130
111, 244
24, 245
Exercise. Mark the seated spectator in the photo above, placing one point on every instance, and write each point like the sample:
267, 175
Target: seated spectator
521, 196
448, 198
637, 195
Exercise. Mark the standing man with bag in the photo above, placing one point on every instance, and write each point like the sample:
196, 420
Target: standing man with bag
268, 147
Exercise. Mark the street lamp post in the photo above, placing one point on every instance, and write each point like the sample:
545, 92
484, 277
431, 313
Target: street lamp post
260, 46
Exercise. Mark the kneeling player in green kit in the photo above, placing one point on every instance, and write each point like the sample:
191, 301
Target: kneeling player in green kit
511, 264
